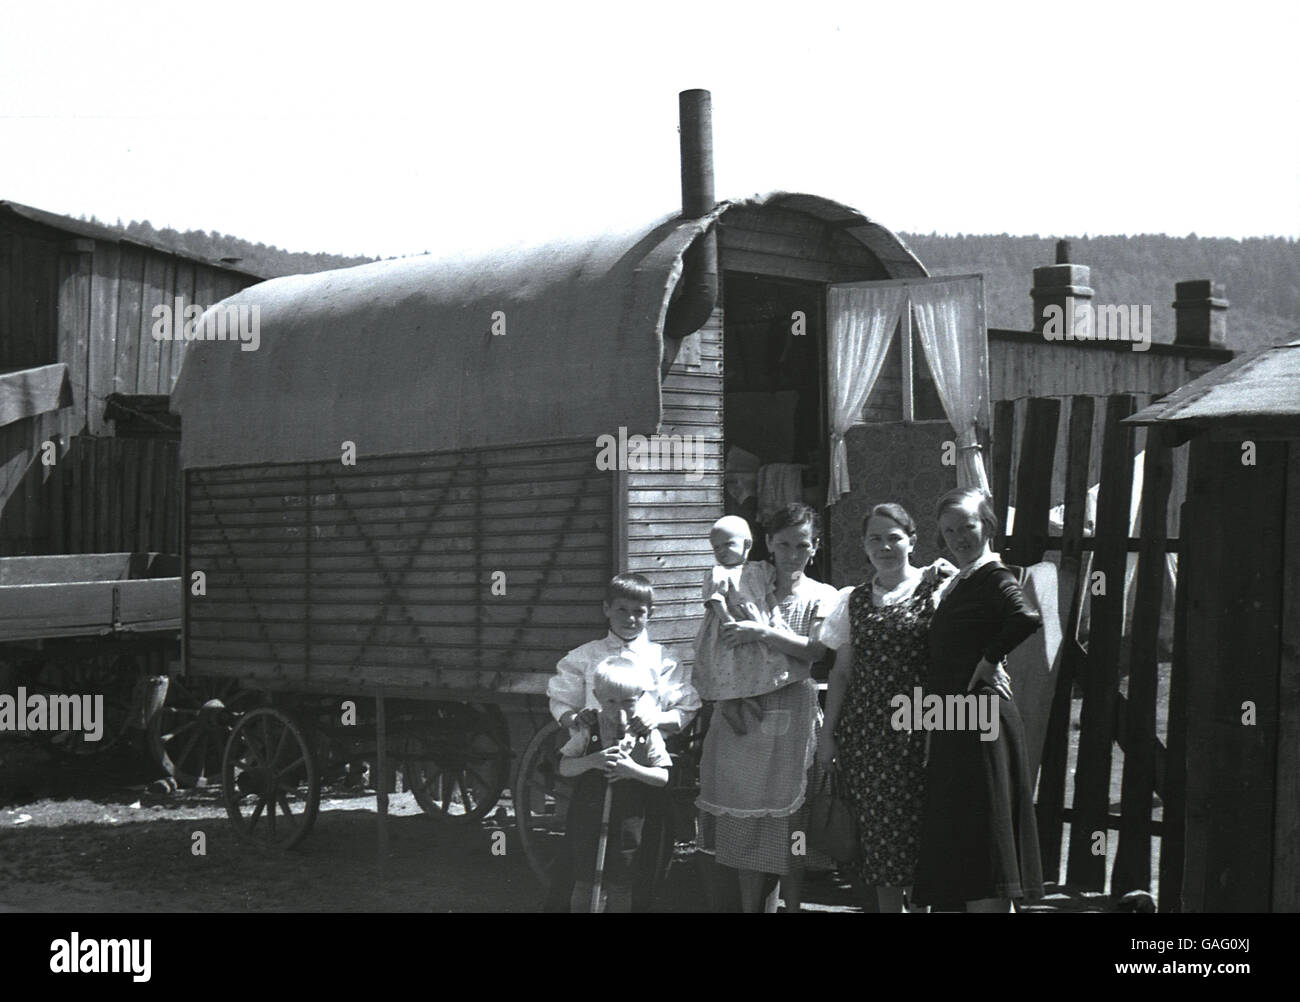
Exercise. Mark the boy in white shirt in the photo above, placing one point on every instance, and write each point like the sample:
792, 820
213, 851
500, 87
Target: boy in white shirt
628, 605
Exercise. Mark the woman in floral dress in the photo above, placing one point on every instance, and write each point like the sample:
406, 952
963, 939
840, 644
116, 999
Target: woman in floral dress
879, 632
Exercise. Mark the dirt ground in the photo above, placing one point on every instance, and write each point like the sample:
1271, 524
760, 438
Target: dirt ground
86, 836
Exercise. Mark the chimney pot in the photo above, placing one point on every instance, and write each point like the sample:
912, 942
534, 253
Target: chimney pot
1054, 284
1062, 252
1200, 314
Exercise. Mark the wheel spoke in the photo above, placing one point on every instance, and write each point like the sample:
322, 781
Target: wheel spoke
284, 736
292, 765
189, 745
257, 813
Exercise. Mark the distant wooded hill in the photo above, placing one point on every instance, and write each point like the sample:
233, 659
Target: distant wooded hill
1261, 275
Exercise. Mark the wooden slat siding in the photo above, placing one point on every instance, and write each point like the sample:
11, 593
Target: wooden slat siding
1072, 582
1101, 677
187, 278
1174, 813
1235, 637
1004, 435
382, 599
130, 495
74, 481
1038, 368
1286, 826
32, 335
56, 490
101, 353
796, 235
666, 510
1034, 481
205, 294
111, 510
75, 275
1132, 870
138, 271
9, 256
782, 243
168, 496
159, 289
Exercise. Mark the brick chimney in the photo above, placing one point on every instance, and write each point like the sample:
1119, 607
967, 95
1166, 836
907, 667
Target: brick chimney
1200, 314
1054, 283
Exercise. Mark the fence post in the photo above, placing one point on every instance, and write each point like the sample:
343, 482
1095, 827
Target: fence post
1133, 858
1087, 867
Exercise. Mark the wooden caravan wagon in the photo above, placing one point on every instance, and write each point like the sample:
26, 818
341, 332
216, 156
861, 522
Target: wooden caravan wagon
405, 492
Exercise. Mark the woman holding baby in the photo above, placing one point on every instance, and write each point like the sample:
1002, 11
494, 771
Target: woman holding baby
758, 752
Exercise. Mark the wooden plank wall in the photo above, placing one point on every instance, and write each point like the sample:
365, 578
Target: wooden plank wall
1286, 827
1023, 365
104, 495
126, 283
669, 513
383, 572
29, 256
783, 243
1233, 651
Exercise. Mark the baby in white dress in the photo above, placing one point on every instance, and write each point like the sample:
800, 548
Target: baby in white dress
736, 590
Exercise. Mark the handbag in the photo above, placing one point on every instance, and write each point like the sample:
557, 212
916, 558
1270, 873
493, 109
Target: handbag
832, 826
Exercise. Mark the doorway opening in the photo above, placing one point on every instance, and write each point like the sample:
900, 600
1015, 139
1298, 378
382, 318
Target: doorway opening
774, 412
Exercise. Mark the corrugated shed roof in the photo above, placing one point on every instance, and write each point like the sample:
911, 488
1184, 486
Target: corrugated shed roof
1264, 385
399, 356
97, 231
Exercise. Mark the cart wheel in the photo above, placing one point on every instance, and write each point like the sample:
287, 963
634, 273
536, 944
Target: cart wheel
462, 763
267, 762
541, 798
109, 676
189, 733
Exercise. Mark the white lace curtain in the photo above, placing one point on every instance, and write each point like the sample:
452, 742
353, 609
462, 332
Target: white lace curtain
863, 318
950, 326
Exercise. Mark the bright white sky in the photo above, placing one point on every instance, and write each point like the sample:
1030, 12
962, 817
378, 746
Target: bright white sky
382, 128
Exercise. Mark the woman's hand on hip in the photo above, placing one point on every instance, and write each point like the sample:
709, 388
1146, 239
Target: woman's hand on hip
987, 673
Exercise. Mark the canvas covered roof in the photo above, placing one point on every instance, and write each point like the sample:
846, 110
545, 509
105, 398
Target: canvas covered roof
399, 356
1263, 386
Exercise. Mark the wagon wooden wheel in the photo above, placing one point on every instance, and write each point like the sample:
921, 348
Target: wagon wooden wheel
111, 676
541, 799
188, 735
458, 769
269, 779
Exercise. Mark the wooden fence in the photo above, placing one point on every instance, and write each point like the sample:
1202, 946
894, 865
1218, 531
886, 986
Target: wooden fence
1032, 452
104, 495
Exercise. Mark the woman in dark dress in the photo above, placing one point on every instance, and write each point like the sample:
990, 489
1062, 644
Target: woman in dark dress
979, 842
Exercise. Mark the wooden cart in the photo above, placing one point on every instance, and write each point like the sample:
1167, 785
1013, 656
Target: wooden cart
90, 624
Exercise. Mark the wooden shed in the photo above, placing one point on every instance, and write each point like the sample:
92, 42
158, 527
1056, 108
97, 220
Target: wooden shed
1234, 742
79, 368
